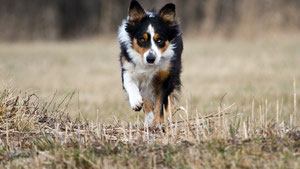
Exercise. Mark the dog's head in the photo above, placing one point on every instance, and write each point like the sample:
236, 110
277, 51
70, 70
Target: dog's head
150, 34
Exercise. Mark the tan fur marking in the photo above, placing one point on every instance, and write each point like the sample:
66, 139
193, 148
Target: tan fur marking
162, 50
145, 36
139, 49
157, 118
148, 106
156, 36
123, 60
163, 74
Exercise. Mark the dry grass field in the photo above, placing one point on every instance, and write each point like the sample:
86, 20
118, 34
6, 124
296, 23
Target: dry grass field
242, 93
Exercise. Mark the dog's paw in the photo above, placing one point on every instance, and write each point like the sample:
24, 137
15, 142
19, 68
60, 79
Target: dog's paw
136, 102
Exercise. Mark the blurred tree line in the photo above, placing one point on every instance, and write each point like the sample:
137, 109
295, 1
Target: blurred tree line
68, 19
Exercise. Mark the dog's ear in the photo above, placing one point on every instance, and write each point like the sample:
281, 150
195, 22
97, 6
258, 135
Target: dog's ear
167, 13
136, 12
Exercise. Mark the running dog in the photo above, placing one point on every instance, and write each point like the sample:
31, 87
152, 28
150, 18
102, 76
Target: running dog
151, 47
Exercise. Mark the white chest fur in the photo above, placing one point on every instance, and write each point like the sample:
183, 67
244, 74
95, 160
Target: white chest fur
142, 76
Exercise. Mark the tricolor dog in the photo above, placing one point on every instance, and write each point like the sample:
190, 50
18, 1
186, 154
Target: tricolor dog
151, 47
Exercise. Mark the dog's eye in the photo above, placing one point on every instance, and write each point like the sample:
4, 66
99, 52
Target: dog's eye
142, 40
159, 41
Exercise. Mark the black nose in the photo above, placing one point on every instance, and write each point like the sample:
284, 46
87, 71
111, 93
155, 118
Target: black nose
150, 58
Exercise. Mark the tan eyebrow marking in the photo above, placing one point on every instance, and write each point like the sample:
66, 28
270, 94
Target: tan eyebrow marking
156, 36
145, 36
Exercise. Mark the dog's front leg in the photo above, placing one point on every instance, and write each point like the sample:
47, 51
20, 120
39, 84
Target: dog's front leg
131, 87
159, 111
148, 110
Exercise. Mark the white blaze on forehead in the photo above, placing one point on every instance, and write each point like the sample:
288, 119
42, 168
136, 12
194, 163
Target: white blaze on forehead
151, 30
154, 49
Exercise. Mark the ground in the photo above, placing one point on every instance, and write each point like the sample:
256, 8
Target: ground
250, 85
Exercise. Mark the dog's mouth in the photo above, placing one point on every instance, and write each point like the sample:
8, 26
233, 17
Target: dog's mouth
150, 64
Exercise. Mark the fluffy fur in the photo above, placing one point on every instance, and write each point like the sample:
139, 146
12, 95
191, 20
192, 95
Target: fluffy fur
151, 47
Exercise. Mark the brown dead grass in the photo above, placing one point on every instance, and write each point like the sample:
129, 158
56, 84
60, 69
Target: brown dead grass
38, 135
